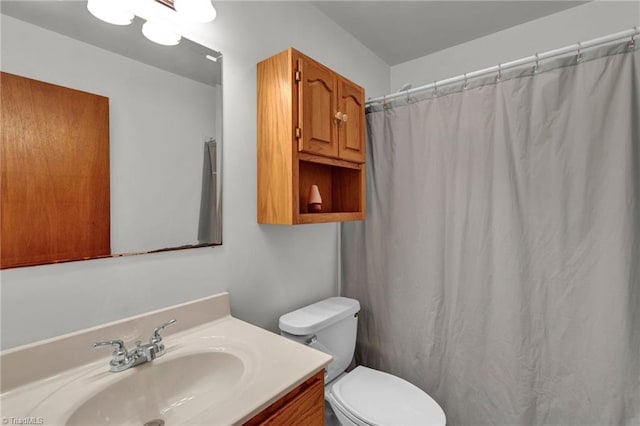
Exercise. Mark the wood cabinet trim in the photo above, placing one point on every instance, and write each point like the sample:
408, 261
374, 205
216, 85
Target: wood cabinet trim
302, 406
303, 156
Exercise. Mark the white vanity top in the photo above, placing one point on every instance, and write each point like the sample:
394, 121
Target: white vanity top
221, 371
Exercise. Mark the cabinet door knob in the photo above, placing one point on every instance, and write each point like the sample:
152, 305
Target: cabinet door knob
344, 118
339, 116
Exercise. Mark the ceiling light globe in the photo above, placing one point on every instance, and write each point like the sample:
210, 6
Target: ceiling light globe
158, 33
195, 10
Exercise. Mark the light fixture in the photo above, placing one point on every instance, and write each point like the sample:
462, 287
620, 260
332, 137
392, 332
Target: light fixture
195, 10
158, 33
110, 11
117, 12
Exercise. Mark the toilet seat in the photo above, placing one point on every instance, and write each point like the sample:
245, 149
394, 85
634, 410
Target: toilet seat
371, 397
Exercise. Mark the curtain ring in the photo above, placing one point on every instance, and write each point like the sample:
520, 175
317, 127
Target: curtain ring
579, 55
499, 76
537, 67
435, 88
408, 98
632, 42
464, 86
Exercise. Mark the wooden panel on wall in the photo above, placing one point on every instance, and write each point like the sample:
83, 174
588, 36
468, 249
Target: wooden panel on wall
55, 173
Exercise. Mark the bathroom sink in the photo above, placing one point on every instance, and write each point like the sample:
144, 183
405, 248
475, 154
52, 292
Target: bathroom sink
216, 370
167, 390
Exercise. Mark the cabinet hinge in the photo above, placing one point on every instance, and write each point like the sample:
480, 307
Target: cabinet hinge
299, 138
297, 76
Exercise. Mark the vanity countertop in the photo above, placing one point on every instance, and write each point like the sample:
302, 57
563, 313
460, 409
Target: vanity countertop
50, 382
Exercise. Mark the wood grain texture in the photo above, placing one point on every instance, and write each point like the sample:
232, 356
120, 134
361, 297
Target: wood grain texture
276, 134
347, 189
340, 187
303, 406
288, 166
315, 174
308, 218
351, 133
328, 161
317, 96
55, 173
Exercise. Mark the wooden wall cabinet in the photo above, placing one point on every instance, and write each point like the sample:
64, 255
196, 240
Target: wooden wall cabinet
310, 132
303, 406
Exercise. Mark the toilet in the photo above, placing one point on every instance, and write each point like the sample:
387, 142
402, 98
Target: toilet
363, 396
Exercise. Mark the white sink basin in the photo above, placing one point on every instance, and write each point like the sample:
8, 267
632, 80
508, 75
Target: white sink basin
171, 391
184, 382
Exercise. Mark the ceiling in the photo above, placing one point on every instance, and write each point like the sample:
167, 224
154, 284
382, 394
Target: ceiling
399, 31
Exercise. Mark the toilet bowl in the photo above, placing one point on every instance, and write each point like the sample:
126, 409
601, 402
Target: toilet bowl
363, 396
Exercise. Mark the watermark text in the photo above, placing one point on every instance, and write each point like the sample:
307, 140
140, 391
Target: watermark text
23, 420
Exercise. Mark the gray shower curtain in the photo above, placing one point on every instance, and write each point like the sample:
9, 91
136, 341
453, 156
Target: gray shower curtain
499, 265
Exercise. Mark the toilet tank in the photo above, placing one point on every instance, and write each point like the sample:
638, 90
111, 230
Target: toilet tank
329, 326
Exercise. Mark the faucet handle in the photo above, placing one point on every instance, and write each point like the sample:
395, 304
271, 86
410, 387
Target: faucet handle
119, 345
120, 354
156, 339
155, 336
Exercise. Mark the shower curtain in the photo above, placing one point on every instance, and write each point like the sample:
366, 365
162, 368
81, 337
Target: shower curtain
499, 265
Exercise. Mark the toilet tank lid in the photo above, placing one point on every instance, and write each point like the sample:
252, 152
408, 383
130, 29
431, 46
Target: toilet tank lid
314, 317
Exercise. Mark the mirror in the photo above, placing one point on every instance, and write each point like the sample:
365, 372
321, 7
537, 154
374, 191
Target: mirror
165, 117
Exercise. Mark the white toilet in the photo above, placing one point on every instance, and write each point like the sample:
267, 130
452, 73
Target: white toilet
362, 397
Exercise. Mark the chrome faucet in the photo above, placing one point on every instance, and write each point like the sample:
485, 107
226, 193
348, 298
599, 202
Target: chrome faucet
123, 359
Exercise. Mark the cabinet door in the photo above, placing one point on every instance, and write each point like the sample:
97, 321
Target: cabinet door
317, 109
54, 163
351, 127
303, 406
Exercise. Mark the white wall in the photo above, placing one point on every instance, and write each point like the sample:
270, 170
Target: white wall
579, 23
267, 269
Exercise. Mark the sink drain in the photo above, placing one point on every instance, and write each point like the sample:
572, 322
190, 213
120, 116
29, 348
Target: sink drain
155, 422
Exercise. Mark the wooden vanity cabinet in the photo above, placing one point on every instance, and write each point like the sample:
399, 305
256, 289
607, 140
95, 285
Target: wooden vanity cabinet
303, 406
310, 132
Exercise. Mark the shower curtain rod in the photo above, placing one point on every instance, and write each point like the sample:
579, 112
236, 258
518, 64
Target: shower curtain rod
501, 67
